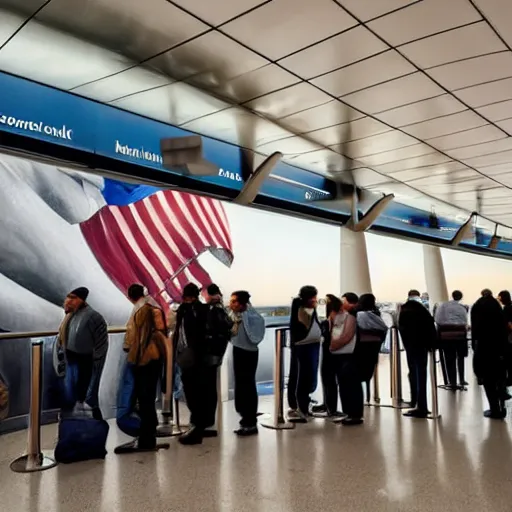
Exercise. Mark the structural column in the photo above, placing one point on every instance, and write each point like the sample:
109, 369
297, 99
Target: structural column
354, 271
434, 275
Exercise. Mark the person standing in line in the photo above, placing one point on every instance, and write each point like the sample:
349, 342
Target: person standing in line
343, 344
189, 342
452, 326
305, 336
146, 345
248, 331
171, 327
419, 335
490, 338
506, 301
327, 368
83, 343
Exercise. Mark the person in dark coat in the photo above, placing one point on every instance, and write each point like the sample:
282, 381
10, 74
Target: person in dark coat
506, 301
489, 337
418, 331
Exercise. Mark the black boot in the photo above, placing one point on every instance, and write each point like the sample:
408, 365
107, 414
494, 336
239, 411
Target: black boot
192, 436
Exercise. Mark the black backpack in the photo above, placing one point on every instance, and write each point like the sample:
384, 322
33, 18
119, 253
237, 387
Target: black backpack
218, 334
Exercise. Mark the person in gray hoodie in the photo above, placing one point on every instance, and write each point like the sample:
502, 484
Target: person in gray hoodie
248, 331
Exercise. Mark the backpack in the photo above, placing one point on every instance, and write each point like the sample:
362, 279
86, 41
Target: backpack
218, 334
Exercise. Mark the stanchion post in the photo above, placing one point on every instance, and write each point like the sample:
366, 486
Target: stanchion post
376, 384
433, 386
35, 459
278, 421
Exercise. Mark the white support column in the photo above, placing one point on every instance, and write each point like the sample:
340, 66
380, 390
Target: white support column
354, 271
434, 275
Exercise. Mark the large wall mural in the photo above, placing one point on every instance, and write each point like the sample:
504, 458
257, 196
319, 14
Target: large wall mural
62, 228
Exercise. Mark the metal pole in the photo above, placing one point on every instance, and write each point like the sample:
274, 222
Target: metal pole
220, 408
376, 386
168, 428
279, 422
396, 369
433, 386
35, 459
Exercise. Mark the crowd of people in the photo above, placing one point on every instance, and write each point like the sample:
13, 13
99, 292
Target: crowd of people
344, 348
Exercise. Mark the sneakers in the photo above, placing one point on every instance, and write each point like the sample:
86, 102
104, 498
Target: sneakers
318, 409
247, 431
496, 415
297, 417
349, 422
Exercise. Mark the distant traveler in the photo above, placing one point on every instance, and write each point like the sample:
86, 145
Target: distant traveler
305, 335
327, 368
343, 344
248, 332
490, 337
83, 344
418, 331
189, 341
146, 345
506, 301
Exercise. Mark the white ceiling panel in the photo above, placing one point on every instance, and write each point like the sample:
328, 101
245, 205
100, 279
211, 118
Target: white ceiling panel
9, 24
58, 59
496, 170
216, 12
486, 133
420, 173
24, 7
281, 27
384, 142
289, 147
506, 125
424, 157
123, 27
485, 94
397, 155
128, 82
445, 125
176, 104
474, 71
328, 114
359, 129
396, 93
503, 157
336, 52
462, 43
422, 111
423, 19
372, 71
368, 177
321, 161
288, 101
497, 111
447, 180
499, 13
211, 57
255, 83
368, 9
486, 148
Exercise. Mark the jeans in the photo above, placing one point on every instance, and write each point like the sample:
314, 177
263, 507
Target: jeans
329, 384
417, 359
146, 380
349, 383
200, 387
245, 364
77, 381
307, 371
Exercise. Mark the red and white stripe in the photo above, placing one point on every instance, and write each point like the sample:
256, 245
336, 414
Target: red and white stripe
157, 240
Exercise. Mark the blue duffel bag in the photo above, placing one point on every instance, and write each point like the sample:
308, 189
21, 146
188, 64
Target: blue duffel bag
81, 438
127, 418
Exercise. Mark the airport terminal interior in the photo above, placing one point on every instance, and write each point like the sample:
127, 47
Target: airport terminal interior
128, 133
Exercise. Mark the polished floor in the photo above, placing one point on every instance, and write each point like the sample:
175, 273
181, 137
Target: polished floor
461, 463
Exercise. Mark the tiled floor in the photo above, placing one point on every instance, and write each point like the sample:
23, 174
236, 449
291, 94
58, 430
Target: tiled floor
461, 463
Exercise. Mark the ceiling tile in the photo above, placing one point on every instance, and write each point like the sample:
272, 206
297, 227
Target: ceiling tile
288, 101
368, 177
254, 83
499, 13
176, 104
418, 173
133, 30
321, 161
506, 124
291, 146
384, 142
422, 157
393, 94
359, 129
462, 43
342, 50
424, 18
216, 12
485, 94
445, 125
479, 135
503, 157
422, 111
128, 82
497, 111
210, 59
9, 24
475, 71
281, 27
486, 148
58, 59
368, 9
25, 7
372, 71
396, 155
328, 114
496, 170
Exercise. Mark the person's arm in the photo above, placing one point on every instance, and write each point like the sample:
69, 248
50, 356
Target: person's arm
348, 332
159, 321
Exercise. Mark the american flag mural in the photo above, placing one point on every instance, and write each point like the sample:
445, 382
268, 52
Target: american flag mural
155, 237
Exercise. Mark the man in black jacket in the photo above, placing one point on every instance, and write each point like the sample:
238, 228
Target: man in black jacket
418, 331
